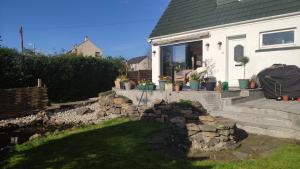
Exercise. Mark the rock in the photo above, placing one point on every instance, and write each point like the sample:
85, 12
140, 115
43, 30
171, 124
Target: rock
210, 134
186, 111
207, 119
158, 101
192, 127
158, 111
224, 132
119, 101
34, 136
178, 121
208, 128
226, 124
83, 111
192, 132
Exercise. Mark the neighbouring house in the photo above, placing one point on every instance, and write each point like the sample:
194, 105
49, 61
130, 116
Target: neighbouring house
140, 63
217, 33
87, 48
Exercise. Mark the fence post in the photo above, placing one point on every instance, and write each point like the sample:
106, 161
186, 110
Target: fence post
40, 83
139, 76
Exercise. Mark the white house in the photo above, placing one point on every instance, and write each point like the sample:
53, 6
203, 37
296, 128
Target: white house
87, 48
192, 33
140, 63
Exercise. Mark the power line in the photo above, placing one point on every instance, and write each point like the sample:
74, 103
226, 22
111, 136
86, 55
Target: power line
94, 26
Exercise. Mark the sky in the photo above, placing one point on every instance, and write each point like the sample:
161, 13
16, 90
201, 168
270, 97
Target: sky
119, 27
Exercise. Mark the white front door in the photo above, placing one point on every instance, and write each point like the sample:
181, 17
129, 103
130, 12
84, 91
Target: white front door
236, 49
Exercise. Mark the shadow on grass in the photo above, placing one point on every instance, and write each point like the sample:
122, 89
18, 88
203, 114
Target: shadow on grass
121, 144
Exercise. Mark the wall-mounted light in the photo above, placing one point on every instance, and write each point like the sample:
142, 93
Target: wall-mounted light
207, 46
154, 52
220, 45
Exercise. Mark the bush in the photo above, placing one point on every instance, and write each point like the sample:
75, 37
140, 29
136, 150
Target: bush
67, 77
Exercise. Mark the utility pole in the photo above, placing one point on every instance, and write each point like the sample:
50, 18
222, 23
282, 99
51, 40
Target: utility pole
22, 40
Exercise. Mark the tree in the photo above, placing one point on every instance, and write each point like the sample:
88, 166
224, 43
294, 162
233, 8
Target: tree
0, 41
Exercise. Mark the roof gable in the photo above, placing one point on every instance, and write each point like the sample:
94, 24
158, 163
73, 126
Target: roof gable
136, 60
187, 15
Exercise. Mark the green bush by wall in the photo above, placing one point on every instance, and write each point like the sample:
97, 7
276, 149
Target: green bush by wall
66, 77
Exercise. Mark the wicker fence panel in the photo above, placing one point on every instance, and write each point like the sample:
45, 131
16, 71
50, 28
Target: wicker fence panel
22, 101
140, 75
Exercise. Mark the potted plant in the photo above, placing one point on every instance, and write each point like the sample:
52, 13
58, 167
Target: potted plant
253, 83
146, 85
219, 87
194, 81
169, 85
178, 86
162, 81
126, 84
244, 83
210, 83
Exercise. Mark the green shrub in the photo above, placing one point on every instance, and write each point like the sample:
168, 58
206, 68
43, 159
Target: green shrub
66, 77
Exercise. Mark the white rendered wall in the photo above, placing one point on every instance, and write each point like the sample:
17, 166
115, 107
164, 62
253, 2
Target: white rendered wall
258, 60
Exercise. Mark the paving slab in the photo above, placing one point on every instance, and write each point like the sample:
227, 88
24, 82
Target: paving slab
290, 106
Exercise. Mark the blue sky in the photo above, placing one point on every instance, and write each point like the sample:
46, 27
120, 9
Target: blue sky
119, 27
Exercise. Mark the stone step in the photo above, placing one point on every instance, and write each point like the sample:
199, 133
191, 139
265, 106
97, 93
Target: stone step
261, 126
270, 113
259, 119
269, 130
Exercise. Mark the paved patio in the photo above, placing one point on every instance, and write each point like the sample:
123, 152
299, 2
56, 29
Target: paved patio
291, 106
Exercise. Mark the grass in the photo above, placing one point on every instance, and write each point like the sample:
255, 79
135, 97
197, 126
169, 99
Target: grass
121, 144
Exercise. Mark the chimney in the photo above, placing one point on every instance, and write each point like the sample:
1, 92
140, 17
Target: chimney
86, 38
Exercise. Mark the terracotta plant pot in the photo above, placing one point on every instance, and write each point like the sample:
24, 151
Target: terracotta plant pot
285, 98
177, 88
253, 85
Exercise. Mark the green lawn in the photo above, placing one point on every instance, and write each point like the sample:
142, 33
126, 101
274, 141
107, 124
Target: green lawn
121, 143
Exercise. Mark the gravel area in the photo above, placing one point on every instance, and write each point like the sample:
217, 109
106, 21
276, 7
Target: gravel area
85, 115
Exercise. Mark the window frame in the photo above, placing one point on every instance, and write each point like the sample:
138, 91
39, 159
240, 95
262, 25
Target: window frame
261, 34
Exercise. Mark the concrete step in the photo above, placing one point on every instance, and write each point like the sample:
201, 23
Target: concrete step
262, 119
269, 130
252, 123
260, 112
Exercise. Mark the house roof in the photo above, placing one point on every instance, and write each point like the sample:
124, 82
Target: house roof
136, 60
187, 15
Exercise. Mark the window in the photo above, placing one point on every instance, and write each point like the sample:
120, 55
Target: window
277, 38
238, 53
97, 54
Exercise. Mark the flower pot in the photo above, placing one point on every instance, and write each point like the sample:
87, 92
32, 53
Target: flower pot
127, 85
169, 87
149, 87
178, 88
244, 83
285, 98
210, 86
162, 84
252, 85
225, 87
194, 84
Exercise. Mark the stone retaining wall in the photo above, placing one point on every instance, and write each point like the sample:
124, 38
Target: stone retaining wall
192, 128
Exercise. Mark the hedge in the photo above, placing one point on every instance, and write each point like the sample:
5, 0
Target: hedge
67, 77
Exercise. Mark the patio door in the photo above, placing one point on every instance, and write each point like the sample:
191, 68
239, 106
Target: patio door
236, 50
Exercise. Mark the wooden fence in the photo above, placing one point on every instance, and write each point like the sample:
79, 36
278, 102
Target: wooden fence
140, 75
22, 101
